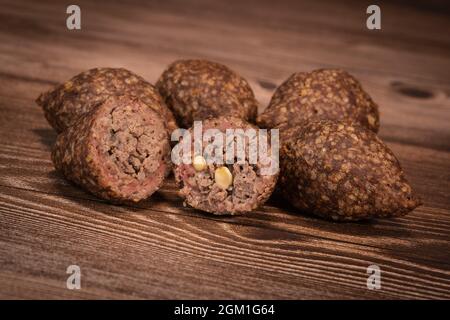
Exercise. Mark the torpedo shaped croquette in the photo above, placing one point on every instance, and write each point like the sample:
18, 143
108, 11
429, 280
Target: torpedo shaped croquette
343, 172
64, 104
325, 94
201, 89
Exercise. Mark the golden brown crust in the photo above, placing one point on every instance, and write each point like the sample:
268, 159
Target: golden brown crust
78, 96
325, 94
343, 172
200, 89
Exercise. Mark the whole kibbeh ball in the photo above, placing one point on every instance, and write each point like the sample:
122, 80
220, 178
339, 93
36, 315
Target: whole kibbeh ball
342, 172
325, 94
67, 102
201, 89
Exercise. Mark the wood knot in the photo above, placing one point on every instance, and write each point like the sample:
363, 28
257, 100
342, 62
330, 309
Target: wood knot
411, 91
267, 84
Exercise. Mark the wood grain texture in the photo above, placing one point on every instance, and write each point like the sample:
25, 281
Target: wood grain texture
160, 249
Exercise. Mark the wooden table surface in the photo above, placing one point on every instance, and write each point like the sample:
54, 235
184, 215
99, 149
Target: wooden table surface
159, 249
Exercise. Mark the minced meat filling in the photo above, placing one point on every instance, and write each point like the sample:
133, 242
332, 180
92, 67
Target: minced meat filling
242, 192
133, 145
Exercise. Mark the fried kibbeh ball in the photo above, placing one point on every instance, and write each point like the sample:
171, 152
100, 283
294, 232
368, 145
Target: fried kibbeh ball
343, 171
64, 104
201, 89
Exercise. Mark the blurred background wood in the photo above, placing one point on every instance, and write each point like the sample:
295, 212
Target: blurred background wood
159, 249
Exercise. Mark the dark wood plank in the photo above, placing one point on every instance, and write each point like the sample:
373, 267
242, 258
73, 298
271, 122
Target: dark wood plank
233, 260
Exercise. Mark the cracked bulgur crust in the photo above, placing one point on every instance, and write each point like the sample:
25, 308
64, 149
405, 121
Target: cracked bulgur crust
324, 94
343, 172
68, 101
248, 189
201, 89
119, 151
